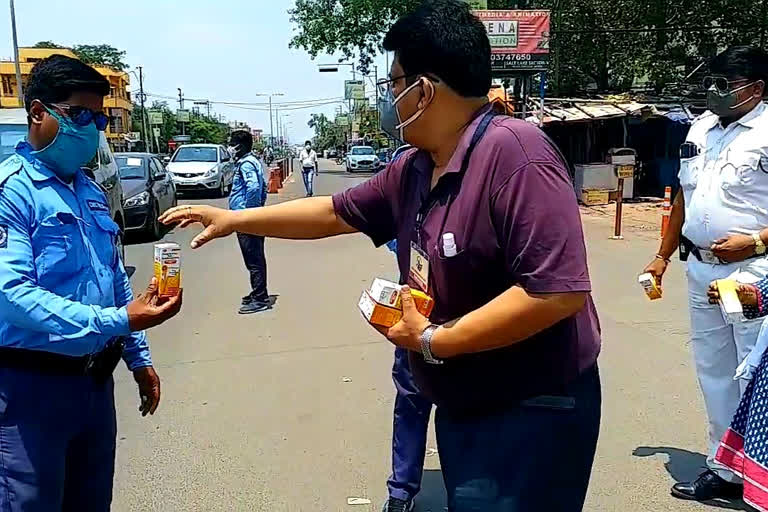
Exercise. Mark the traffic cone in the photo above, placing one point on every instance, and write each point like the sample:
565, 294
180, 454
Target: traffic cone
666, 211
274, 181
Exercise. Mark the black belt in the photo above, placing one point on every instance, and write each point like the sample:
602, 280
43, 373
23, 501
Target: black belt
99, 365
687, 248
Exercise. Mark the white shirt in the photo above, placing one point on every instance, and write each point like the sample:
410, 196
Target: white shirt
308, 158
726, 185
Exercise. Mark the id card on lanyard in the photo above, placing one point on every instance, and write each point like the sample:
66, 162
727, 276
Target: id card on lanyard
418, 268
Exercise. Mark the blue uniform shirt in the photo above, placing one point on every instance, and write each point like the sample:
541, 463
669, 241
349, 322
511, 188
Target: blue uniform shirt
249, 189
63, 287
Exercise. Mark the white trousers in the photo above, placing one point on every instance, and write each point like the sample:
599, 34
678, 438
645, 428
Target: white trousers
718, 347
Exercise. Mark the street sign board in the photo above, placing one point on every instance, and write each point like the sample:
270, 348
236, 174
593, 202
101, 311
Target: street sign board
342, 120
354, 90
182, 138
477, 4
156, 132
182, 116
625, 171
132, 136
361, 104
519, 39
155, 117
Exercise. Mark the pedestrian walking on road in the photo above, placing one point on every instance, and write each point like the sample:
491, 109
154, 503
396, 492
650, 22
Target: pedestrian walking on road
67, 312
487, 223
308, 159
249, 190
720, 215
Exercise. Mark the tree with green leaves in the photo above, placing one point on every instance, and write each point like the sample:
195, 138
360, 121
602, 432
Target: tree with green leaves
93, 54
600, 45
327, 134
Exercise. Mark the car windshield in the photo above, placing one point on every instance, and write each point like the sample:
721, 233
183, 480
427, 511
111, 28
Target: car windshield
189, 154
131, 167
362, 151
10, 135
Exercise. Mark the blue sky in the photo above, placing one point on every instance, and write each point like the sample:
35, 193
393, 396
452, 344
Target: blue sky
222, 51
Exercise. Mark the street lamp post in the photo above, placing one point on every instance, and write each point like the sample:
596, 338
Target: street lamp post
16, 57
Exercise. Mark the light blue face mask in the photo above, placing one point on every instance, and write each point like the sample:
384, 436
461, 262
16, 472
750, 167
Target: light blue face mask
72, 147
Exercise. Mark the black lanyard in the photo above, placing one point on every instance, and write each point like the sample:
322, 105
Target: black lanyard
427, 207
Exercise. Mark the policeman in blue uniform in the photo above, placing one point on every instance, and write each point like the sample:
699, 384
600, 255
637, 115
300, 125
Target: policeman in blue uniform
67, 313
249, 190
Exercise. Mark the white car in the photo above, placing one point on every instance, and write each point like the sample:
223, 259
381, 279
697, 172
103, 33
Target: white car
202, 168
362, 158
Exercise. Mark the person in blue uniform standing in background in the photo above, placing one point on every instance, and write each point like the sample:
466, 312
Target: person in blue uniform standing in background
409, 424
67, 312
249, 190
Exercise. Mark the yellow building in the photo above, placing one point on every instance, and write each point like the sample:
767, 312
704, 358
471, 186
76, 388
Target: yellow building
117, 105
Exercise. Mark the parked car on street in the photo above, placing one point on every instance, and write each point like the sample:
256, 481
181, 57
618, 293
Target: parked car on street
102, 168
362, 158
202, 168
148, 190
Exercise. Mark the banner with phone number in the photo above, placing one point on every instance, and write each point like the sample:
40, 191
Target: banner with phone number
519, 38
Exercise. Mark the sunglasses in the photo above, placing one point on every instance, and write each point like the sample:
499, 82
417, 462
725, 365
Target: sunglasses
83, 116
721, 83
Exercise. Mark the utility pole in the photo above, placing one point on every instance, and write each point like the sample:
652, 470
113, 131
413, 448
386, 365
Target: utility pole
271, 127
277, 123
181, 107
16, 57
145, 134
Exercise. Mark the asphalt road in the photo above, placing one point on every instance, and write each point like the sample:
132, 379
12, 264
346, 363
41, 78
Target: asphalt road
290, 410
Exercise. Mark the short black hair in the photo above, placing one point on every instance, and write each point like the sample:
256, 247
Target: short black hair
56, 78
444, 38
308, 142
241, 138
744, 61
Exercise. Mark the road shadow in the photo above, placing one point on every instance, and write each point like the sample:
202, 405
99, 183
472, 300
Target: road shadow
344, 174
432, 497
273, 300
684, 466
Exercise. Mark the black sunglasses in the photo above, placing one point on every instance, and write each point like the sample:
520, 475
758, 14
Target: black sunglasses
83, 116
721, 83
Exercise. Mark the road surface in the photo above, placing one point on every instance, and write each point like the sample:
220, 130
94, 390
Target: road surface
290, 410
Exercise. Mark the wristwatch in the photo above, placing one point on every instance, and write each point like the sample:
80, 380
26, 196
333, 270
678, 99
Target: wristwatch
759, 245
426, 345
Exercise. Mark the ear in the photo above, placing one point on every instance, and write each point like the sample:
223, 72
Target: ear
759, 89
37, 112
429, 92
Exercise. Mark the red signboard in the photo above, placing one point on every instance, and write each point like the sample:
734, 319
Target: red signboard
519, 39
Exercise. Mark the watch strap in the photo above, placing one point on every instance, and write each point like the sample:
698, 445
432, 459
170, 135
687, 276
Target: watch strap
426, 345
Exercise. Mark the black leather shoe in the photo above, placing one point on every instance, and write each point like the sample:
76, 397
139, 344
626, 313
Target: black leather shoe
707, 486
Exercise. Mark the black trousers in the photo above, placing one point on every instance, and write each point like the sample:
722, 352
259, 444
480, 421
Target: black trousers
536, 456
252, 247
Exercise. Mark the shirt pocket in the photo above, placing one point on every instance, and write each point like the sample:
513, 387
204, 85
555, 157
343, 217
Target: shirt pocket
58, 246
742, 169
690, 168
105, 238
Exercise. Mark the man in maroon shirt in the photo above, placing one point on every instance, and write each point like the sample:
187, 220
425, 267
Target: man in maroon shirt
486, 221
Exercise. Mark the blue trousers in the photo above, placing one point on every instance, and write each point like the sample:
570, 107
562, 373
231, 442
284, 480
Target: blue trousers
57, 442
308, 174
535, 456
409, 431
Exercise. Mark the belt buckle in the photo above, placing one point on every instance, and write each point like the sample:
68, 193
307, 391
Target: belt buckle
708, 256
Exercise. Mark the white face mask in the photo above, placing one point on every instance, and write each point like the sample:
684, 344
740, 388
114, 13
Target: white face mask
308, 148
232, 150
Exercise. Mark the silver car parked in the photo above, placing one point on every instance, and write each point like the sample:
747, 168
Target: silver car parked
202, 168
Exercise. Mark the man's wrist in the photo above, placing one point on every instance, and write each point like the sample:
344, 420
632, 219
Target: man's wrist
441, 345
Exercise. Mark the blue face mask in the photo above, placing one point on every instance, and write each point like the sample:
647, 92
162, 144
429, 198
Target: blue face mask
72, 147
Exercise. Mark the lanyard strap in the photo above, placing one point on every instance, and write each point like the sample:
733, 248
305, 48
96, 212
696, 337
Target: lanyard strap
424, 210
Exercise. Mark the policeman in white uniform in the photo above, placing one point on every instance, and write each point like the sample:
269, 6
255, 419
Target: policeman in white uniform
721, 210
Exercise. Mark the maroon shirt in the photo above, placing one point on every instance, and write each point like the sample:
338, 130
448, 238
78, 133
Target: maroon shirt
516, 222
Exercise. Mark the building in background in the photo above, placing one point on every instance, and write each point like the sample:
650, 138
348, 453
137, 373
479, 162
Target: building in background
117, 105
